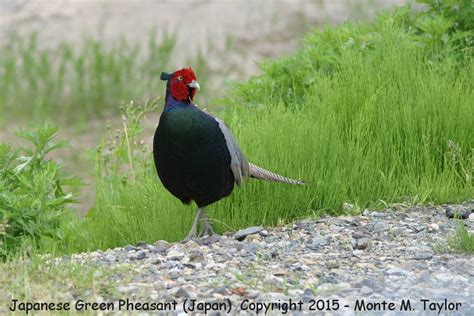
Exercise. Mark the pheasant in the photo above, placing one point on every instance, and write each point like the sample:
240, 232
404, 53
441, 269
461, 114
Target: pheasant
195, 154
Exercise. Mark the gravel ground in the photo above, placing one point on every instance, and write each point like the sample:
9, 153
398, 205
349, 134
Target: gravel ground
335, 266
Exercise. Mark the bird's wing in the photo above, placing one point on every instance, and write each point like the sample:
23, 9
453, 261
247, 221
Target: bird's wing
239, 164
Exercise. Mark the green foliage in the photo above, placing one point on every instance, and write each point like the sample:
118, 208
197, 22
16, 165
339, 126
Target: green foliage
447, 24
288, 79
462, 241
368, 114
459, 12
38, 83
124, 154
32, 196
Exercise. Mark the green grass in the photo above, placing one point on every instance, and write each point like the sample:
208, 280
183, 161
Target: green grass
37, 278
370, 127
462, 241
72, 84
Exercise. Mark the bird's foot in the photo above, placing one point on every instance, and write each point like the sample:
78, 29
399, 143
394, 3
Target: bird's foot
193, 231
191, 235
207, 229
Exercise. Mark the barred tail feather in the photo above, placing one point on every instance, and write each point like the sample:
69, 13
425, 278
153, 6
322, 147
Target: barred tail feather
260, 173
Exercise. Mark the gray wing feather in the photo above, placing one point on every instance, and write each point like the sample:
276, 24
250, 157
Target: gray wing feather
239, 164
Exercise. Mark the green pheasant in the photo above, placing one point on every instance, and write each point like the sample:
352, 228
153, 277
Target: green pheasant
195, 154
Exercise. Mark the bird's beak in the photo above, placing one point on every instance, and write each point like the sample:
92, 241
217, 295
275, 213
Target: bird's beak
194, 84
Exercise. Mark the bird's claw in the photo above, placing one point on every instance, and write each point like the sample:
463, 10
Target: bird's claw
207, 229
206, 232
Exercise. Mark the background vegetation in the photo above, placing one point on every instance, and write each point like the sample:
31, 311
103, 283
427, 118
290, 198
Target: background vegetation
369, 114
92, 80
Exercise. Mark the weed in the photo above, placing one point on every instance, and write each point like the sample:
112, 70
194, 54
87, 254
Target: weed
45, 279
33, 199
462, 240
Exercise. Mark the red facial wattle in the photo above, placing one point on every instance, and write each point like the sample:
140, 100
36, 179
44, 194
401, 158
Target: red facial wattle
180, 82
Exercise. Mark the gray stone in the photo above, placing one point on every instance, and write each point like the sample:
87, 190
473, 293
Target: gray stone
423, 256
158, 249
293, 245
359, 234
250, 248
457, 211
318, 242
336, 228
185, 293
209, 240
241, 234
362, 244
379, 227
170, 264
139, 255
397, 271
141, 244
365, 290
222, 290
127, 288
332, 264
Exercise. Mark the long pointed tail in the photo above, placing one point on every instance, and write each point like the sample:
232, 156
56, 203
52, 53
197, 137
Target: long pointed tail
260, 173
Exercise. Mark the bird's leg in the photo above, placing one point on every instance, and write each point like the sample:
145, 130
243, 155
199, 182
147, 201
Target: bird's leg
193, 231
207, 227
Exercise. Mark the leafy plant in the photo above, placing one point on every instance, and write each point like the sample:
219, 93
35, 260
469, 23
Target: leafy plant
447, 25
124, 154
32, 190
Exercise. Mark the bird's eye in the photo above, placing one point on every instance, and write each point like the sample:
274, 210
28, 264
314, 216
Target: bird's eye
180, 78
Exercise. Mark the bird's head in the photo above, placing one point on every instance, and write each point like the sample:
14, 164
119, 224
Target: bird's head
182, 84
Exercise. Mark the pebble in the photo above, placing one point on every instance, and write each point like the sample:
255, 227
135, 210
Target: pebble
423, 256
336, 228
433, 227
379, 226
129, 248
139, 255
471, 217
241, 234
141, 244
458, 211
362, 243
127, 288
182, 292
250, 248
318, 242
